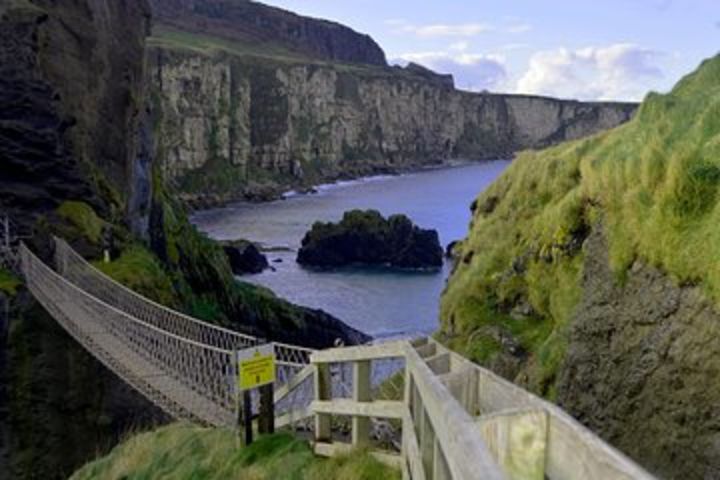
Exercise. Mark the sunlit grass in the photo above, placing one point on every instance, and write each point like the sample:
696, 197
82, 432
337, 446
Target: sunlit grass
183, 451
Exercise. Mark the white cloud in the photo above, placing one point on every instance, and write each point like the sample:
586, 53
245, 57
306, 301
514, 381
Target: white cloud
472, 29
472, 71
440, 30
621, 71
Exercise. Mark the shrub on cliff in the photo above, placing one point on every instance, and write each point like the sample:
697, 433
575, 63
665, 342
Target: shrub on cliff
366, 237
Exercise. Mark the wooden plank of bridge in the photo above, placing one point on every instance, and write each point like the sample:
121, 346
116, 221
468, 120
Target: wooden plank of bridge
293, 383
517, 439
575, 452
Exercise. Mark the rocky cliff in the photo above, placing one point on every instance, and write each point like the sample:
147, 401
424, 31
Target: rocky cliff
236, 123
64, 70
260, 25
77, 150
590, 276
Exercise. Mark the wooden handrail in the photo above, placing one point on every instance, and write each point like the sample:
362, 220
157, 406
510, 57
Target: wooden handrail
461, 421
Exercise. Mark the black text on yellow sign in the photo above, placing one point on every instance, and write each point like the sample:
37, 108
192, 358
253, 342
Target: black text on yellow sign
256, 367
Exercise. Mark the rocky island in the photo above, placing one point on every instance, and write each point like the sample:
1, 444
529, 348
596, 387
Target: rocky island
245, 257
366, 237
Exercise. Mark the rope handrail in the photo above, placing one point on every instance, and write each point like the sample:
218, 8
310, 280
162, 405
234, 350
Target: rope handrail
186, 378
64, 247
78, 270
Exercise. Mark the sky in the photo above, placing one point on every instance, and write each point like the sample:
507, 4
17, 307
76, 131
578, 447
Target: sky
583, 49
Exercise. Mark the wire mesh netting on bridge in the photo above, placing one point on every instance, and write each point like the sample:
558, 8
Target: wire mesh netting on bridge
185, 366
75, 268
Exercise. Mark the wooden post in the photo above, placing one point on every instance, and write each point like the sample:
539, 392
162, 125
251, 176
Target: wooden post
322, 392
361, 393
266, 421
246, 430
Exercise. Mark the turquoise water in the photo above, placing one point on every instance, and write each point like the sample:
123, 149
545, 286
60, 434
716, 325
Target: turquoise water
378, 301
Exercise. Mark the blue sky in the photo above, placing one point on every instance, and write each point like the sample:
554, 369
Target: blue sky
585, 49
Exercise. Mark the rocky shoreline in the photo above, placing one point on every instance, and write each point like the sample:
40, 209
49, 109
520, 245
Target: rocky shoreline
269, 193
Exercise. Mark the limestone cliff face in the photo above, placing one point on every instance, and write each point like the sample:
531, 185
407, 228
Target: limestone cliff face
266, 124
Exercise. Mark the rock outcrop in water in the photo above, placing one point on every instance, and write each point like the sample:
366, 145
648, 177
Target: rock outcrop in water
241, 121
365, 237
245, 257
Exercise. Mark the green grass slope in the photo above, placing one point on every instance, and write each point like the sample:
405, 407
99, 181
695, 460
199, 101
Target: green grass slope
183, 451
652, 182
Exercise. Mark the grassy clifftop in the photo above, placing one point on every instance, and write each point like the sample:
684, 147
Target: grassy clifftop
653, 185
188, 452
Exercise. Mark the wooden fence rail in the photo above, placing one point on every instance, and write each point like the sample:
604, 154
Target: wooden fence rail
459, 421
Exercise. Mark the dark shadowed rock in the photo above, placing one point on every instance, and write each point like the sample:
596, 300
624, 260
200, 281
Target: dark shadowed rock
245, 257
366, 237
450, 249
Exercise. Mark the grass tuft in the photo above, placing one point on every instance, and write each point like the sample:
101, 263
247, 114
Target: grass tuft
139, 270
182, 451
9, 283
84, 218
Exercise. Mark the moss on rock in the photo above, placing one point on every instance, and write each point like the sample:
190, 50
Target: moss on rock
139, 270
84, 218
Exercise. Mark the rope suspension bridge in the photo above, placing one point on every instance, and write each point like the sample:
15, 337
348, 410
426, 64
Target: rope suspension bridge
457, 420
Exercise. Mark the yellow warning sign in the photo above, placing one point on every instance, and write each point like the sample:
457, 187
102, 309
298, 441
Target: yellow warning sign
256, 367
